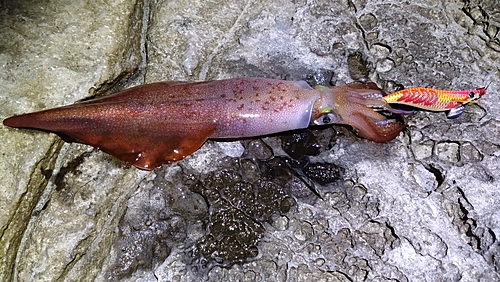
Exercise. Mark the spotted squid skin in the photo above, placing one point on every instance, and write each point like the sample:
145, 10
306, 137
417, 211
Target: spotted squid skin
163, 122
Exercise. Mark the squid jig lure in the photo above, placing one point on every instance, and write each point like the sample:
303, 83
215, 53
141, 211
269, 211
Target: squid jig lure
435, 100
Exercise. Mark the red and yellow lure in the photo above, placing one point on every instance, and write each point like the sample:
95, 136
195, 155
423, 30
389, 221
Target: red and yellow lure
435, 100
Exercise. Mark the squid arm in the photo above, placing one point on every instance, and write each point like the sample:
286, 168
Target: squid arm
353, 106
160, 123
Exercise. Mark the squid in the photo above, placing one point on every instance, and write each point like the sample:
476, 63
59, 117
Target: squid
160, 123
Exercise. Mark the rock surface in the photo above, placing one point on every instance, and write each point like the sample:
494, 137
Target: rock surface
300, 206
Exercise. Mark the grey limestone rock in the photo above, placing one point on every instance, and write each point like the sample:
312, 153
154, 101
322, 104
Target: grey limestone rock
319, 204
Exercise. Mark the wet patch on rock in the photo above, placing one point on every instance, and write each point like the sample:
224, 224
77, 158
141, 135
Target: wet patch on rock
219, 218
323, 173
301, 144
241, 203
162, 214
359, 67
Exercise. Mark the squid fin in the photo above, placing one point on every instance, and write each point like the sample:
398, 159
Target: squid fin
152, 150
145, 147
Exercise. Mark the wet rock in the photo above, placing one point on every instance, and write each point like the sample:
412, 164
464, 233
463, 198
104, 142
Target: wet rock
448, 152
423, 150
378, 237
359, 67
384, 65
425, 178
232, 149
281, 223
323, 173
259, 150
300, 144
469, 153
303, 231
380, 51
427, 243
368, 21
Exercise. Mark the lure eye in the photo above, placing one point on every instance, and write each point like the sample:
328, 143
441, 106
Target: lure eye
472, 95
328, 118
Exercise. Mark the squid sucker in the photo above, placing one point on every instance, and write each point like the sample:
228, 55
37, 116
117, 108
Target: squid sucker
160, 123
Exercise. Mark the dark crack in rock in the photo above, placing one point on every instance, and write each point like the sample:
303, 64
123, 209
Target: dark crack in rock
436, 171
481, 238
377, 236
486, 17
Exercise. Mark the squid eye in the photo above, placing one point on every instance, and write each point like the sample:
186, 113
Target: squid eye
329, 118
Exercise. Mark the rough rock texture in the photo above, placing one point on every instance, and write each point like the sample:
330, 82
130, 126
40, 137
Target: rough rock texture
317, 204
54, 53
